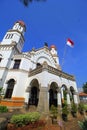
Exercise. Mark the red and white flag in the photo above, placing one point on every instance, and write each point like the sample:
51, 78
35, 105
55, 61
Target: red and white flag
70, 42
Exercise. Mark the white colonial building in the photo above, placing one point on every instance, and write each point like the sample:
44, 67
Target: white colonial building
34, 77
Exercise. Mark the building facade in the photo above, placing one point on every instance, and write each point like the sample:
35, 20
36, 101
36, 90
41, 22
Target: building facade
34, 77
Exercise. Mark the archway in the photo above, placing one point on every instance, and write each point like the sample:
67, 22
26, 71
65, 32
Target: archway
34, 93
53, 94
63, 94
10, 87
71, 93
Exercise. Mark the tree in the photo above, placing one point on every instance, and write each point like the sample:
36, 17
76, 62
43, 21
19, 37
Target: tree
26, 2
85, 87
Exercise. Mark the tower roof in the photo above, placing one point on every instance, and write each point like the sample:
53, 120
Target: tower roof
21, 23
53, 46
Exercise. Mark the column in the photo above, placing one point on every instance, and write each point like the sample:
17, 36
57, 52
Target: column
68, 97
62, 95
48, 96
27, 95
59, 98
43, 104
75, 98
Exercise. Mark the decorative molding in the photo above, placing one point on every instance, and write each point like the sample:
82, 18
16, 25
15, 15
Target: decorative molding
51, 70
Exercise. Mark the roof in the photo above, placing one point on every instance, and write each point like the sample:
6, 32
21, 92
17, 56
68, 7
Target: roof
21, 23
82, 94
53, 46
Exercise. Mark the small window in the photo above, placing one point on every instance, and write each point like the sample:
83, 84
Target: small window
38, 65
9, 36
16, 64
6, 36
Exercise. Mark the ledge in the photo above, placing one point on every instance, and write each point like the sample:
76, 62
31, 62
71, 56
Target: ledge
51, 70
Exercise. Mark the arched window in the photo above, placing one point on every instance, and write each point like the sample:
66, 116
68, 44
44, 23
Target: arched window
10, 88
38, 65
0, 57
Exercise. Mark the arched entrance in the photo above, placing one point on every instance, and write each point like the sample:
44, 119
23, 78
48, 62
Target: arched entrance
53, 94
63, 94
72, 94
34, 93
10, 87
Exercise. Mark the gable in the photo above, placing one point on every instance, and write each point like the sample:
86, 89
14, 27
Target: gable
42, 56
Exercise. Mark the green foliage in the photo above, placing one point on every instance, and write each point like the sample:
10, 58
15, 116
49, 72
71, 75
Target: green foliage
83, 124
81, 107
85, 87
74, 108
23, 119
54, 111
0, 89
65, 93
3, 109
65, 110
85, 107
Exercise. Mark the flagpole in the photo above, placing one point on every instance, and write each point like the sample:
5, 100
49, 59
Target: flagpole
64, 53
69, 43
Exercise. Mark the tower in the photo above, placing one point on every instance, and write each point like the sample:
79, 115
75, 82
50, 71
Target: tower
15, 35
55, 56
11, 44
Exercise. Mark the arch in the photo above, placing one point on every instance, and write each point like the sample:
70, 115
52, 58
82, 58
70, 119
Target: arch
64, 86
63, 93
11, 77
34, 92
34, 82
72, 90
53, 94
10, 87
57, 82
41, 59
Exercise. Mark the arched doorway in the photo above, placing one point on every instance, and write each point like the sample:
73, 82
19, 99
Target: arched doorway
34, 93
72, 93
10, 87
53, 94
63, 95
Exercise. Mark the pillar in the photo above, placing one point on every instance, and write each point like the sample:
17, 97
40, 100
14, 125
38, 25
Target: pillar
68, 99
75, 97
27, 95
62, 95
43, 104
59, 98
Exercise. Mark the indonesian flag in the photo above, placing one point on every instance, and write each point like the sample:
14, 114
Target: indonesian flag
70, 42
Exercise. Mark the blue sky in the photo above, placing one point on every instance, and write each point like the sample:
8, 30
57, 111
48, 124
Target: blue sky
53, 22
